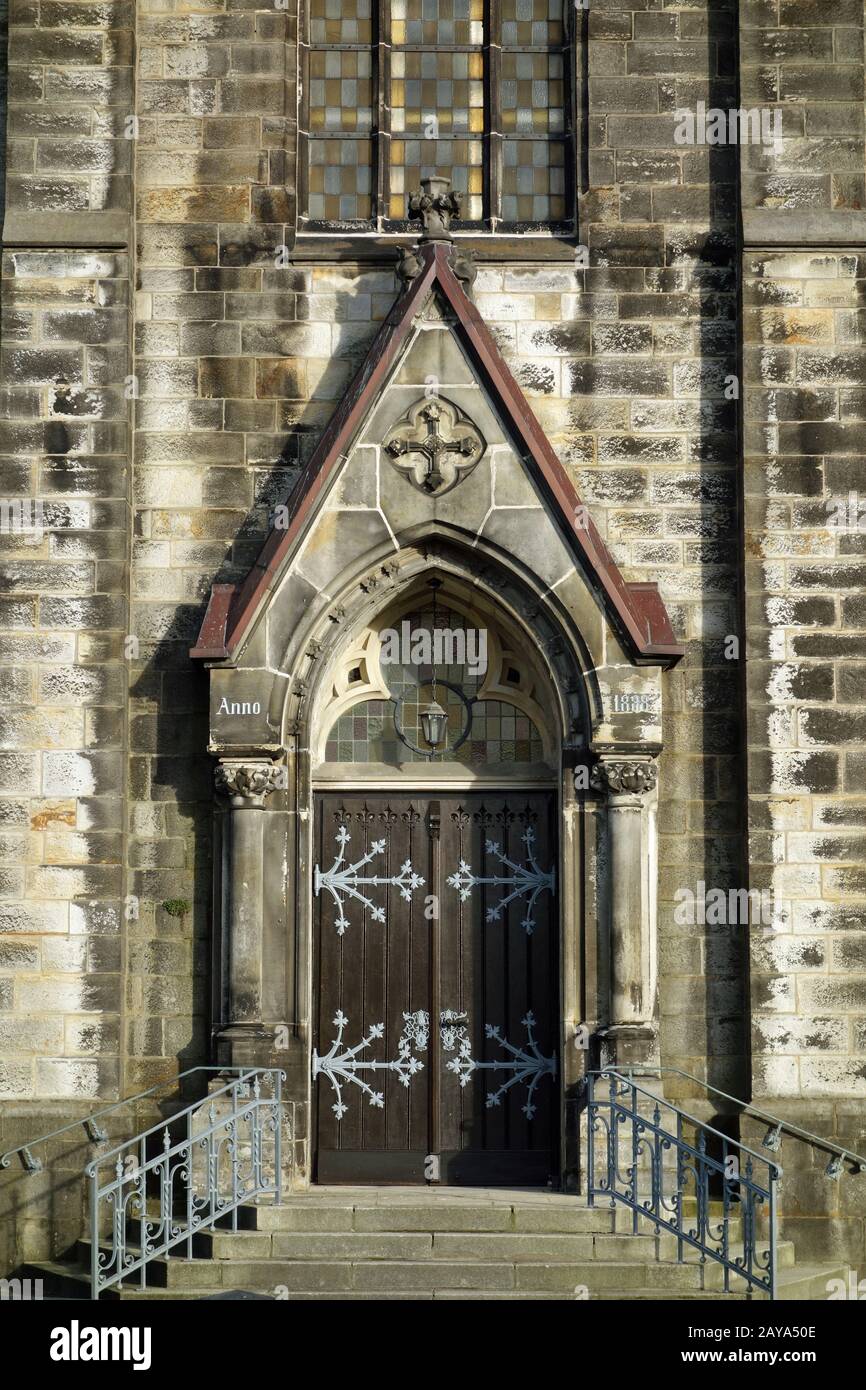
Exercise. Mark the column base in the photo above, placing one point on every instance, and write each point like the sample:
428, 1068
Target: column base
244, 1045
629, 1044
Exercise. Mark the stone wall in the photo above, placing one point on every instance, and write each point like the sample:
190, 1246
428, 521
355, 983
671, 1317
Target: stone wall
70, 145
63, 622
805, 368
654, 440
804, 58
241, 348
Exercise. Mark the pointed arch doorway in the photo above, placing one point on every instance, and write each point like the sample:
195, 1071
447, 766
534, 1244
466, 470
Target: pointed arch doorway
436, 1002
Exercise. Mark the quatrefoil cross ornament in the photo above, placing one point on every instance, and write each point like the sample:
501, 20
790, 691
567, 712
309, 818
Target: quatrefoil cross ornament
435, 446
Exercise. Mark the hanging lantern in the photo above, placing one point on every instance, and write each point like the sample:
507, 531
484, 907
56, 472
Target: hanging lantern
434, 720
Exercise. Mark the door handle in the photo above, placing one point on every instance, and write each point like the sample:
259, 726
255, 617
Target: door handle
452, 1028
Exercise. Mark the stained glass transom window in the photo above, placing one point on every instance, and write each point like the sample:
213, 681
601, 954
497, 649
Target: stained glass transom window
409, 89
480, 730
500, 733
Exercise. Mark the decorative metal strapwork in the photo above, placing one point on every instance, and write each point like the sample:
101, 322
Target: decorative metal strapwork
526, 1064
527, 878
340, 1065
157, 1191
343, 878
706, 1192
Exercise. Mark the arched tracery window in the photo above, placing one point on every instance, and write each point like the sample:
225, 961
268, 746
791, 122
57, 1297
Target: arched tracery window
493, 698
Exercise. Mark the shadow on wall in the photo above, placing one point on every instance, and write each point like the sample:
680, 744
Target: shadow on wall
681, 230
717, 268
4, 91
171, 848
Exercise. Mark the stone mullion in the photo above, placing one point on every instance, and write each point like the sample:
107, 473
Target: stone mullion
382, 139
288, 167
303, 140
493, 142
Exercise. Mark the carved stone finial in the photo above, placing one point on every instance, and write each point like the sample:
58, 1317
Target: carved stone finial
435, 205
634, 776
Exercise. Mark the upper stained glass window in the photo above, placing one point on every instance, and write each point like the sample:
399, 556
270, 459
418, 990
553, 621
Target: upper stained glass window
477, 91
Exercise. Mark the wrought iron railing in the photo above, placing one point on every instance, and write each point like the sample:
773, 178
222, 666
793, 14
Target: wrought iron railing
91, 1123
228, 1153
839, 1154
647, 1161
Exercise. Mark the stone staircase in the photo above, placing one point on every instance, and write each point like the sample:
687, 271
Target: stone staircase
433, 1243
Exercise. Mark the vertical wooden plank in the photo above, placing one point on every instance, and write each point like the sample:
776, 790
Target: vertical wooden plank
420, 975
490, 826
434, 828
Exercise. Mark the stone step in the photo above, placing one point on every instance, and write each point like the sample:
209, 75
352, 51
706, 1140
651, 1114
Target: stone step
498, 1246
560, 1218
451, 1295
429, 1278
808, 1281
134, 1294
315, 1269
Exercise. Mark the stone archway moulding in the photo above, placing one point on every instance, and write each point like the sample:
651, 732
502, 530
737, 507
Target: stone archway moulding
601, 643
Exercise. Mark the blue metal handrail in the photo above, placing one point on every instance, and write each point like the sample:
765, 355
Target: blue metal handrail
94, 1134
651, 1139
778, 1127
235, 1151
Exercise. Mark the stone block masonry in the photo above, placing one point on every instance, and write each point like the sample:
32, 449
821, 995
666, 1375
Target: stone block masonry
70, 122
804, 466
153, 277
805, 58
63, 623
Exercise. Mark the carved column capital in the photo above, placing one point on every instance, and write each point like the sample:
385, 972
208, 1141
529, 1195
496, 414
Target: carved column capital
624, 776
246, 784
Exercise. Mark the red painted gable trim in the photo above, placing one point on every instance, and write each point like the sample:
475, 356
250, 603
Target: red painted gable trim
637, 608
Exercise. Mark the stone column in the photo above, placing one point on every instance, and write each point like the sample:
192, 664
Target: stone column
631, 864
246, 783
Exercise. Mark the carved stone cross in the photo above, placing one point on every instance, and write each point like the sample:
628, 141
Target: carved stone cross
435, 461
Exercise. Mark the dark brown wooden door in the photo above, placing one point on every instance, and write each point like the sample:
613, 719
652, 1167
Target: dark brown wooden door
436, 1001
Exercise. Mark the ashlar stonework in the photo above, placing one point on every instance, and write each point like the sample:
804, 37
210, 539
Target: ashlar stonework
178, 347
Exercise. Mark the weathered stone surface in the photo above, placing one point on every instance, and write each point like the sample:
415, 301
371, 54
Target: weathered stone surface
241, 356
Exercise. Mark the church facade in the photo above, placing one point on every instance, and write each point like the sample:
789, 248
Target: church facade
434, 596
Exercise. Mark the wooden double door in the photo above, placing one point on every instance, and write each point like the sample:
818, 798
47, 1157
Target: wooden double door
436, 1000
